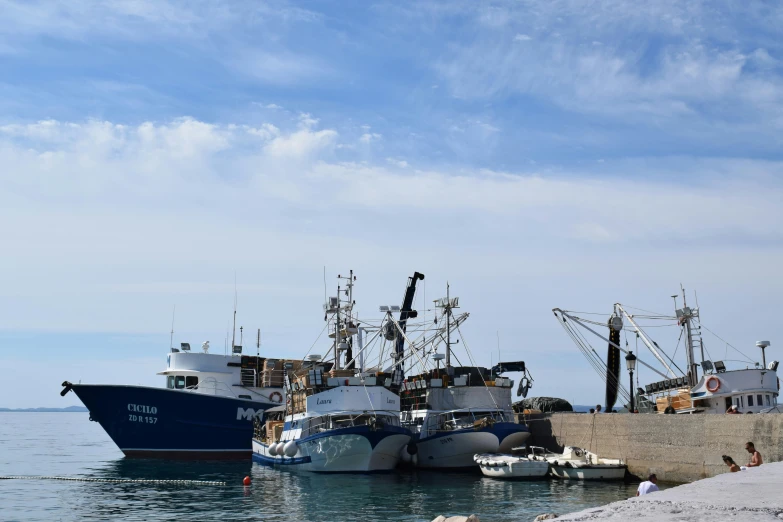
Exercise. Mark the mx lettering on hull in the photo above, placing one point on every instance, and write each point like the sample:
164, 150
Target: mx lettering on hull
248, 414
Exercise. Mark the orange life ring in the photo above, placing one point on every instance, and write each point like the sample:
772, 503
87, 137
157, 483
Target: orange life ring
713, 379
276, 397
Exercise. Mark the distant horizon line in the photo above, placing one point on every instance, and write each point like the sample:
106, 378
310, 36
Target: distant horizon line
44, 409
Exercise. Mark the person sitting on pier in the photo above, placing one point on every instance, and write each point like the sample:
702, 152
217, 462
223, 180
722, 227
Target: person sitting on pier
598, 408
648, 486
755, 456
733, 467
732, 410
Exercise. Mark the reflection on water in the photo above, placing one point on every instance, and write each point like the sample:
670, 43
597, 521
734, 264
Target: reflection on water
68, 444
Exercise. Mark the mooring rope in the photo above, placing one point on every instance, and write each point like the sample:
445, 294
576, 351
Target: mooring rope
118, 481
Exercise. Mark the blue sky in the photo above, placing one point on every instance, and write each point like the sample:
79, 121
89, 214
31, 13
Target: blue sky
534, 153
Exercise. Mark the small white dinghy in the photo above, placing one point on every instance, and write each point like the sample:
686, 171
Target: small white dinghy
579, 464
502, 466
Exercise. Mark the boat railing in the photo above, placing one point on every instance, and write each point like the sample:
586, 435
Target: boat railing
339, 420
463, 418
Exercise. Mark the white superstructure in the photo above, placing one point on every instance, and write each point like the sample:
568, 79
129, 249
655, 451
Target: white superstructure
238, 376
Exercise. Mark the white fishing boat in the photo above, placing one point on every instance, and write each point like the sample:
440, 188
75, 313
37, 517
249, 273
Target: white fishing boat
504, 466
751, 386
338, 419
579, 464
455, 412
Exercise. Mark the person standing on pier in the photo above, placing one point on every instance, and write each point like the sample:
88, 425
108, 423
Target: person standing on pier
755, 456
648, 486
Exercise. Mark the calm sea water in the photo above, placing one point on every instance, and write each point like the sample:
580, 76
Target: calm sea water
67, 444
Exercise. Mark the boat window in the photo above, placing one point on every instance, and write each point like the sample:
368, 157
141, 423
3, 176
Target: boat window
759, 401
767, 396
170, 382
750, 400
179, 382
191, 381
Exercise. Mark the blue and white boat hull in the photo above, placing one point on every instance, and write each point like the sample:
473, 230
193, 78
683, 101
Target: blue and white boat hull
357, 449
164, 423
456, 449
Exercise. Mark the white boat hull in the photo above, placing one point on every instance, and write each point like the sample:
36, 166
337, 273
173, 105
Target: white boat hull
592, 472
339, 453
455, 450
513, 440
507, 467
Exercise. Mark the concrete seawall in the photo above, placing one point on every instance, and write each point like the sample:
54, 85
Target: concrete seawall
678, 448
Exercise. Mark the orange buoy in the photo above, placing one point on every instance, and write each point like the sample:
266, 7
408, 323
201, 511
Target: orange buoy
246, 481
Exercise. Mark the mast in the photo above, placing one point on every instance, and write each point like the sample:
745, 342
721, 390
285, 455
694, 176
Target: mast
349, 324
448, 329
685, 315
448, 304
171, 339
234, 329
337, 332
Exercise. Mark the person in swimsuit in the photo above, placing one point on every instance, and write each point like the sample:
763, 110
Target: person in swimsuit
755, 456
733, 467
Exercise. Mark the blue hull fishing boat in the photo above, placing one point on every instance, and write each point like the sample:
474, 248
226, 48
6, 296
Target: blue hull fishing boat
206, 410
163, 423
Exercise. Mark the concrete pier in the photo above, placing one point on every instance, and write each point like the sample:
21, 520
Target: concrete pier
678, 448
746, 495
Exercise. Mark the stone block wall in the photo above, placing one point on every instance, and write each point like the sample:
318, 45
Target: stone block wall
678, 448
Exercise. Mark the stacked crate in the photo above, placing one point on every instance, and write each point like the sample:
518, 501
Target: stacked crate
342, 373
272, 376
275, 370
274, 430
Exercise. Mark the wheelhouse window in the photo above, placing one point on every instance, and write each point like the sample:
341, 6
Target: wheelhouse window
759, 401
179, 382
750, 400
170, 382
767, 397
191, 381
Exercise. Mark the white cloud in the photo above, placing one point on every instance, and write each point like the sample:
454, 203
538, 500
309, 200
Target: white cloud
114, 223
397, 163
700, 57
302, 143
368, 137
266, 131
279, 67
